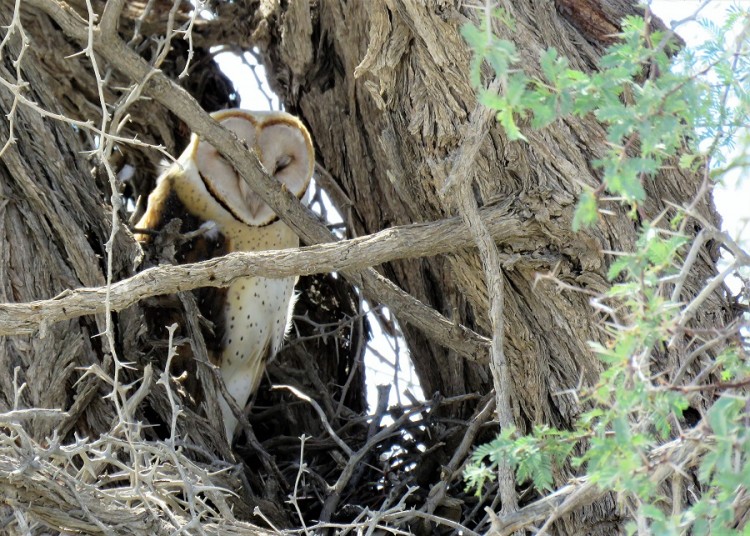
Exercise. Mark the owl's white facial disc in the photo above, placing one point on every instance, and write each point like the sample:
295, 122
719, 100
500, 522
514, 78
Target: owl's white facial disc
285, 152
283, 149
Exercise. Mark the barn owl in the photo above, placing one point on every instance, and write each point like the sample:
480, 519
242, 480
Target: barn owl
205, 192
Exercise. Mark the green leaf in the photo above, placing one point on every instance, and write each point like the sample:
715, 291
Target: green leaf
586, 212
500, 55
475, 37
552, 65
505, 117
720, 413
542, 477
620, 265
690, 161
622, 430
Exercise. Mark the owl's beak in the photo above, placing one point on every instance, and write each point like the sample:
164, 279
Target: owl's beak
252, 201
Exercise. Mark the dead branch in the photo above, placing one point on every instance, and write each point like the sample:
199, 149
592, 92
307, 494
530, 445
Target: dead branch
453, 469
48, 483
398, 242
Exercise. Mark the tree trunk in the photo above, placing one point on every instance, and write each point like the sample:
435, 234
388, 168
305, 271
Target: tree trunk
385, 90
54, 230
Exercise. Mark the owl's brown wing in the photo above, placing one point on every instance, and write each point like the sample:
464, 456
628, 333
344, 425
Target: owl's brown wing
176, 235
211, 301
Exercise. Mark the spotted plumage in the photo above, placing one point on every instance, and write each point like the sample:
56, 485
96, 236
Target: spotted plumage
203, 190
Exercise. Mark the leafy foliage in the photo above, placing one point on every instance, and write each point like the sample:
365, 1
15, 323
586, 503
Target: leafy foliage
653, 106
660, 108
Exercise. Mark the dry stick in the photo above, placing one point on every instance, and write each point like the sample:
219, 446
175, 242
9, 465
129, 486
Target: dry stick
380, 411
709, 288
358, 362
398, 242
334, 497
300, 472
687, 265
437, 492
32, 413
111, 16
321, 414
730, 331
128, 410
459, 183
552, 507
409, 514
461, 339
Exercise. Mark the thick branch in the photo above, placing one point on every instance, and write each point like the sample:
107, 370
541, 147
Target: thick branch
460, 183
399, 242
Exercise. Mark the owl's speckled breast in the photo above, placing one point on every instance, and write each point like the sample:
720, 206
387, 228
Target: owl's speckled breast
256, 312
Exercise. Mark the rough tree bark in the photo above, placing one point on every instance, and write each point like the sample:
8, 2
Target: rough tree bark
54, 227
384, 88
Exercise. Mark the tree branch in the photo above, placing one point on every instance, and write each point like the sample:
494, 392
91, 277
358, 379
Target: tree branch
452, 469
111, 16
460, 184
398, 242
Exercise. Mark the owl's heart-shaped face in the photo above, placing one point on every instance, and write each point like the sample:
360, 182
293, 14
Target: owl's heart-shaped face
282, 145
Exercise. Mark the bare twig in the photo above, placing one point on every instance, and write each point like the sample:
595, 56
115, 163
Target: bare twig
32, 413
302, 396
709, 288
451, 470
692, 256
380, 411
302, 469
355, 459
